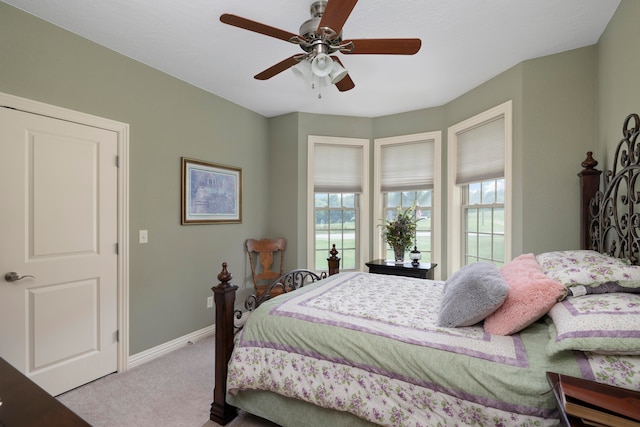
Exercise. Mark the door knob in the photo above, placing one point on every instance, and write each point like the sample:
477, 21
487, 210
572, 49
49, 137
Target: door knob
14, 277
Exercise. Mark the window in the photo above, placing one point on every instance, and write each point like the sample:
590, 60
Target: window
405, 199
483, 206
407, 171
479, 182
337, 187
336, 217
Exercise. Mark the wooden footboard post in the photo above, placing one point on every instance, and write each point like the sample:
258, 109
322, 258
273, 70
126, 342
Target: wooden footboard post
333, 261
589, 184
225, 296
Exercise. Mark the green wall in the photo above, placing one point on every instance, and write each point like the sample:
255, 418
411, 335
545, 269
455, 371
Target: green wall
288, 172
618, 79
563, 105
171, 276
284, 168
558, 128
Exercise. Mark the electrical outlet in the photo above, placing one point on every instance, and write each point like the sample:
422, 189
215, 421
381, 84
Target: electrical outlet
209, 302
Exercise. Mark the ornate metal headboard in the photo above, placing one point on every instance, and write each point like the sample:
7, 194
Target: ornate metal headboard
615, 213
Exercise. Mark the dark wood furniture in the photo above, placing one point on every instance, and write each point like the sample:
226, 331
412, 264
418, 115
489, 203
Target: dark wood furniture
589, 184
225, 297
586, 395
423, 270
614, 215
25, 404
566, 420
262, 254
333, 261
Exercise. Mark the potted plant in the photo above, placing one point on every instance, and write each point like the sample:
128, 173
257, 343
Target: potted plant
400, 232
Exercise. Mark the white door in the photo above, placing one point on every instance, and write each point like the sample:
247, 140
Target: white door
58, 223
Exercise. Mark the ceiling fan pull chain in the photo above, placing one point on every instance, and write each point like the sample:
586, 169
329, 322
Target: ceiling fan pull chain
319, 84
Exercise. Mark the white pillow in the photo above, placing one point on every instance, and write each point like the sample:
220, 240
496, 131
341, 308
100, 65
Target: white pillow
606, 324
583, 267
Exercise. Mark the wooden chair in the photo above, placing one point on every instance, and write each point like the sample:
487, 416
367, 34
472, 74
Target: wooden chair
262, 254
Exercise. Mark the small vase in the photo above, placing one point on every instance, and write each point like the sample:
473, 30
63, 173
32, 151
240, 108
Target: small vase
398, 252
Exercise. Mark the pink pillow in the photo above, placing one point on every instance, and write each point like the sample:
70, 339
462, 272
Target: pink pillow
530, 296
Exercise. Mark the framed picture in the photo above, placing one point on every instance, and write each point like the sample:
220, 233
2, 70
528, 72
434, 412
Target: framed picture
211, 193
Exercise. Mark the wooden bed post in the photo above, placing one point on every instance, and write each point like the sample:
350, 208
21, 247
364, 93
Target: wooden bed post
589, 184
334, 261
225, 296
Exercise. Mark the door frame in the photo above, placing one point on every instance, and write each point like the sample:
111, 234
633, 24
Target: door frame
122, 129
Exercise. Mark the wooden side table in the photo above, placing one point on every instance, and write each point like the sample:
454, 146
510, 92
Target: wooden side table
422, 271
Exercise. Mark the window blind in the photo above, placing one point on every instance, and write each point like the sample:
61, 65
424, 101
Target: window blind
407, 166
337, 168
481, 152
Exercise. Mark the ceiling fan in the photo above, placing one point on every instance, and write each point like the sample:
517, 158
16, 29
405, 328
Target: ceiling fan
320, 38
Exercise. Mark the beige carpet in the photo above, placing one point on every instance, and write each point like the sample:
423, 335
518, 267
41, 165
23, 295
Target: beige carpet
174, 390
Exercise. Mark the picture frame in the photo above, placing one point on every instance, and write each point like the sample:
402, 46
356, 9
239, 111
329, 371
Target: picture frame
210, 193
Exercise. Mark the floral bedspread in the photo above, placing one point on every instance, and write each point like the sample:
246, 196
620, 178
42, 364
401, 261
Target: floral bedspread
385, 308
369, 345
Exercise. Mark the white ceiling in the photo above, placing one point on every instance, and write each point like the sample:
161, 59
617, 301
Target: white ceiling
464, 43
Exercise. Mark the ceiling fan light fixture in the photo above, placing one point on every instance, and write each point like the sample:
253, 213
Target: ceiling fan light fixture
303, 70
322, 65
337, 73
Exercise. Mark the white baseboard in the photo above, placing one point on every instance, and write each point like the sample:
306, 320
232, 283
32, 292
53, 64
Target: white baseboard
162, 349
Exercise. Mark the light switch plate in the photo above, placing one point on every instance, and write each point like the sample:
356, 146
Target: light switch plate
143, 236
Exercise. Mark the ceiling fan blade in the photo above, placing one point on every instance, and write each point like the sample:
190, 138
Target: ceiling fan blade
346, 83
384, 46
278, 68
336, 14
257, 27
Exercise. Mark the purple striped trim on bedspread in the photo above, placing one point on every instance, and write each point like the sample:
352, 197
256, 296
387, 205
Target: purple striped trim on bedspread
614, 369
599, 334
615, 315
405, 311
586, 371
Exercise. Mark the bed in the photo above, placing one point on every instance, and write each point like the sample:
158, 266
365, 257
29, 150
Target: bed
364, 349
